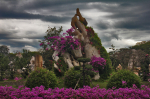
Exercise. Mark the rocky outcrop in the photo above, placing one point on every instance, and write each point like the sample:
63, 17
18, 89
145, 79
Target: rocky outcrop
133, 60
81, 34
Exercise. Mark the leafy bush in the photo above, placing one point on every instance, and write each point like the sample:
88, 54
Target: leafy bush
123, 75
41, 77
72, 76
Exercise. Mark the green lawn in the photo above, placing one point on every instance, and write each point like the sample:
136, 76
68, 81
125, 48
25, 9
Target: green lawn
102, 84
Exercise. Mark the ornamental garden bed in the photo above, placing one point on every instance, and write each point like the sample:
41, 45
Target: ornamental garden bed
53, 93
66, 93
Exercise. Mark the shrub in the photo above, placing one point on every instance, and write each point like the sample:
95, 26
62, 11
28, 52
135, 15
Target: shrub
41, 77
72, 76
123, 75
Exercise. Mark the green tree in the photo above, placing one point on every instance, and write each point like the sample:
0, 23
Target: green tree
24, 62
144, 46
4, 61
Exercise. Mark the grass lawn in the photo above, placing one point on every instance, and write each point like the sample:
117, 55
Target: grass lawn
102, 84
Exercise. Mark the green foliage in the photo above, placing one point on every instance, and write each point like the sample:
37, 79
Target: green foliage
83, 59
11, 56
62, 66
88, 70
72, 76
115, 62
123, 75
144, 47
105, 73
47, 57
26, 72
77, 67
21, 62
4, 61
97, 43
42, 77
145, 69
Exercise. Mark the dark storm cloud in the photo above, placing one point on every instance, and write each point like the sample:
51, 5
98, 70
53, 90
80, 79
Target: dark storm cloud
55, 19
133, 15
134, 24
5, 35
20, 43
8, 34
102, 25
107, 37
10, 14
125, 15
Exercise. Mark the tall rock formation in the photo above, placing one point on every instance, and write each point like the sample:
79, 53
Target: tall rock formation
89, 41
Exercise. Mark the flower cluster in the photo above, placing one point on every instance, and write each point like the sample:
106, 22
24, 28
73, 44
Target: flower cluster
57, 37
68, 93
98, 62
69, 31
5, 79
124, 82
65, 44
147, 55
17, 78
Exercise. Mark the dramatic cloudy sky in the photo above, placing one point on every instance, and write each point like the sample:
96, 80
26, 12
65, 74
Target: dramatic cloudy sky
119, 22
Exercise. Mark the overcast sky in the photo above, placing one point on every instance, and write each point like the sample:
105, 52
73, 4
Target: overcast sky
24, 22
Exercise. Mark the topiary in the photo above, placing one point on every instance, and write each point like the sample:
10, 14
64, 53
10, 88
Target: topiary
72, 76
41, 77
123, 75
